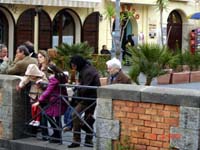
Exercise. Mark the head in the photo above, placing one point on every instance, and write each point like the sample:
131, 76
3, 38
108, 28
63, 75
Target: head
30, 46
33, 72
104, 47
3, 50
113, 66
22, 52
53, 69
77, 63
43, 57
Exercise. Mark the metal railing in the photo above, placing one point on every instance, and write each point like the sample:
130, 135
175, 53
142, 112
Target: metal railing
63, 100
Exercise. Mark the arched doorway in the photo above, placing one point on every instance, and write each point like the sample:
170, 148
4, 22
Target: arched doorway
91, 30
3, 29
174, 31
45, 31
63, 28
25, 27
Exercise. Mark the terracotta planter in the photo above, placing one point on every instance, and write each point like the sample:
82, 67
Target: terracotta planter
166, 78
195, 76
180, 77
103, 81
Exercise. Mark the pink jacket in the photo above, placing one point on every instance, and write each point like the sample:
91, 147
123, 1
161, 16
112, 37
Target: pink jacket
52, 96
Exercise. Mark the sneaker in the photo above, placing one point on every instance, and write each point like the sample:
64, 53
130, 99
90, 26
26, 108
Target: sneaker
36, 123
32, 122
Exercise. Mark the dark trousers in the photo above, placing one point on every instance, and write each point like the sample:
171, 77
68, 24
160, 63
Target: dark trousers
55, 123
78, 124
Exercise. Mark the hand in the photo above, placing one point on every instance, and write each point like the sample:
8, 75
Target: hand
36, 104
18, 88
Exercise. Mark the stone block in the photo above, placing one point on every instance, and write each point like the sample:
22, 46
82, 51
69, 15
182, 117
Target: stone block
104, 108
187, 139
103, 144
164, 79
189, 118
107, 128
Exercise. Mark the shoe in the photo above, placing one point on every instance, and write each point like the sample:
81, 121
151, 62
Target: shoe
54, 141
32, 122
88, 144
73, 145
65, 129
45, 138
36, 124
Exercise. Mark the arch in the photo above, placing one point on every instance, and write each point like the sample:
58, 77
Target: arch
25, 27
45, 31
11, 30
91, 30
66, 27
174, 30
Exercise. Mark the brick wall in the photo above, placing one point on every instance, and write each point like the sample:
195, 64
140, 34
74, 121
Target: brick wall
147, 125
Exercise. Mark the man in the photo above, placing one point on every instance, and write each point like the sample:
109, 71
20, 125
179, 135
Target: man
116, 74
3, 52
104, 50
88, 76
21, 62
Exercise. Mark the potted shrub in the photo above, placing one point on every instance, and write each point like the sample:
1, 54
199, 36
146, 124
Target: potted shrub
151, 60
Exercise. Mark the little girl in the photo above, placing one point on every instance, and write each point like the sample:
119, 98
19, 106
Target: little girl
33, 74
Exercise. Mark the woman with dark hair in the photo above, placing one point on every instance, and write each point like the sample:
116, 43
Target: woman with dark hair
53, 96
89, 76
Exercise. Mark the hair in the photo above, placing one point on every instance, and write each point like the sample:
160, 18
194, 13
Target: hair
45, 54
30, 48
23, 48
57, 72
2, 46
79, 61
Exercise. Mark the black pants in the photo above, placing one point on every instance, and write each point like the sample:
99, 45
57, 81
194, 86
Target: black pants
56, 124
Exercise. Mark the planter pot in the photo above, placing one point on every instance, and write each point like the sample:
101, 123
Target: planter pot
103, 81
166, 78
180, 77
195, 76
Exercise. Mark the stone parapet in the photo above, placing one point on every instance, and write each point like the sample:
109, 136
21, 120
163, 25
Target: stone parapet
152, 117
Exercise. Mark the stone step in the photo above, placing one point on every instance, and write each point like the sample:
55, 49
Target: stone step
34, 144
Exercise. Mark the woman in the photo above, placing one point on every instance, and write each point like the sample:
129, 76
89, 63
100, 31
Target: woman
43, 61
53, 95
89, 76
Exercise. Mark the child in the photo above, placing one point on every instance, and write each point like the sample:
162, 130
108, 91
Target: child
54, 95
33, 74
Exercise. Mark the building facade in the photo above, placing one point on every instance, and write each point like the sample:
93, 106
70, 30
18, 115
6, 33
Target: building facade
48, 23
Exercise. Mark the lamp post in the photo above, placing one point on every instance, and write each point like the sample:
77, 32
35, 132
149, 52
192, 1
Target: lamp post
117, 44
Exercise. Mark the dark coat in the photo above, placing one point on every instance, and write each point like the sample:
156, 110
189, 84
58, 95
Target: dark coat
88, 76
52, 96
120, 78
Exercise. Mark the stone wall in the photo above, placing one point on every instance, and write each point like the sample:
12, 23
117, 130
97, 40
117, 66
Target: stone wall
153, 118
12, 108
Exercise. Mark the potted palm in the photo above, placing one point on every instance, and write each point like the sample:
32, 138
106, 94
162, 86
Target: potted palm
192, 60
151, 60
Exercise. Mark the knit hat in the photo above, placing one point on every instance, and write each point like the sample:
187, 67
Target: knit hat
33, 70
114, 63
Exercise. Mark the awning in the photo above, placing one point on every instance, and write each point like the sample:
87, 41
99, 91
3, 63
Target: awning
146, 2
195, 16
68, 3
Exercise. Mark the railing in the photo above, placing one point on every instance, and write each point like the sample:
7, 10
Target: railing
63, 100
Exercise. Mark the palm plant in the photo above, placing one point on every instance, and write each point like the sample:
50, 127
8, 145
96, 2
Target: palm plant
66, 51
192, 60
151, 60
